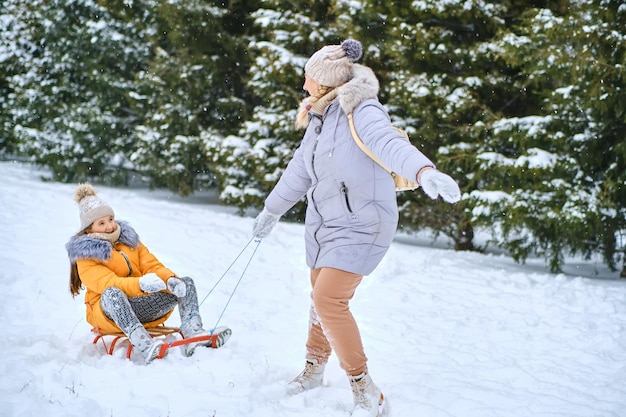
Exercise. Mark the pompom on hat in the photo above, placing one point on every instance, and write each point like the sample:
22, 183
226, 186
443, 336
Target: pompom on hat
331, 66
90, 206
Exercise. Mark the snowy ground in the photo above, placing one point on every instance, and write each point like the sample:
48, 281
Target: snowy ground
447, 334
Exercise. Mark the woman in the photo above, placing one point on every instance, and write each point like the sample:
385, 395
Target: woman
352, 212
128, 288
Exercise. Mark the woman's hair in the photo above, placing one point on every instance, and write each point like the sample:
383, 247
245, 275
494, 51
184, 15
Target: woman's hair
75, 283
321, 92
302, 119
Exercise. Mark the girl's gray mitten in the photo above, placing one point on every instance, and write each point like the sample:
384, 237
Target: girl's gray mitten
177, 287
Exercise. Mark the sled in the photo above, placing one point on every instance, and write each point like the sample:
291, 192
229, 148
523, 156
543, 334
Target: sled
158, 331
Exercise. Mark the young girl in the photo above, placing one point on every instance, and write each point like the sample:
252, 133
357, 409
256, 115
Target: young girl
128, 288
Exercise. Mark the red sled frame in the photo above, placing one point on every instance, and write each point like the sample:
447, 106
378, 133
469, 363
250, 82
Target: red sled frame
159, 331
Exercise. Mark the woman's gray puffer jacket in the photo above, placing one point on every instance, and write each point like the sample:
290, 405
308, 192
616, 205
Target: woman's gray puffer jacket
352, 212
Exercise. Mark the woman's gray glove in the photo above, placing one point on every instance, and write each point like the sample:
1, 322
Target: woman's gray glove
436, 183
264, 223
151, 283
177, 287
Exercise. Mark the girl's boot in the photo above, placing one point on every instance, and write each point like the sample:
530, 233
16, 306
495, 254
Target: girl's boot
148, 347
116, 306
192, 327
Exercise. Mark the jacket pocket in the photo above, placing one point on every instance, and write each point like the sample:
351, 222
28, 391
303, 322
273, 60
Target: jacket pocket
344, 192
343, 189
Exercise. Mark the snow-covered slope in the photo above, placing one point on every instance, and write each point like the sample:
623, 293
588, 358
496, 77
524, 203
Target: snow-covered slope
447, 334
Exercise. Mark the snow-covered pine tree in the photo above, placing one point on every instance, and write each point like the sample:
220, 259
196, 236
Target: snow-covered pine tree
288, 33
593, 114
522, 102
441, 84
192, 95
12, 47
70, 70
564, 189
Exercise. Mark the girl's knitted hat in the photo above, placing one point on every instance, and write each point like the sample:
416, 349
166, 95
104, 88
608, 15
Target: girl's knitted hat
331, 66
90, 206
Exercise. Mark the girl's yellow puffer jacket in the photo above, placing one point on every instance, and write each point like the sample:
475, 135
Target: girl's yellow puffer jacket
102, 265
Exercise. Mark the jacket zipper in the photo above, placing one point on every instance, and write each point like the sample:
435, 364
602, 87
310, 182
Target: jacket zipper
344, 191
313, 191
130, 268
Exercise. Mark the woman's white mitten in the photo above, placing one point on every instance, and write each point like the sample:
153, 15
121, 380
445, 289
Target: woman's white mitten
177, 287
436, 183
264, 223
151, 283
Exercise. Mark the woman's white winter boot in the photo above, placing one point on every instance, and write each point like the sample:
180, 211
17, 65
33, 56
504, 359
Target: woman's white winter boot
310, 378
368, 398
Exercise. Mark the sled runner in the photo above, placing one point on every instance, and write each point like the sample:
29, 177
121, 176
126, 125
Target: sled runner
159, 331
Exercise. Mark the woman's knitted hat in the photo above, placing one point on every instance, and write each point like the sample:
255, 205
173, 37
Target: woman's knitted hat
331, 66
90, 207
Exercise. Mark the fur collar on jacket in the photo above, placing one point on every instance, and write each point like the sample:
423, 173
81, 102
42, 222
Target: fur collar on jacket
87, 247
362, 86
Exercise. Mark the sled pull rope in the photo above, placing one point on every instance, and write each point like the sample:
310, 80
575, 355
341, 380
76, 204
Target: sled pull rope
228, 269
238, 281
221, 278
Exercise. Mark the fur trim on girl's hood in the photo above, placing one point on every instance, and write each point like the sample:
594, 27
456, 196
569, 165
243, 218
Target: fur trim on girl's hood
86, 247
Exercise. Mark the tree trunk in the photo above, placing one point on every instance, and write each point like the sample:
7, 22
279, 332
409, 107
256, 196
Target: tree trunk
465, 237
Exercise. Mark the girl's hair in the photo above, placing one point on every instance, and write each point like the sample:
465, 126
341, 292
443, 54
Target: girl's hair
75, 283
